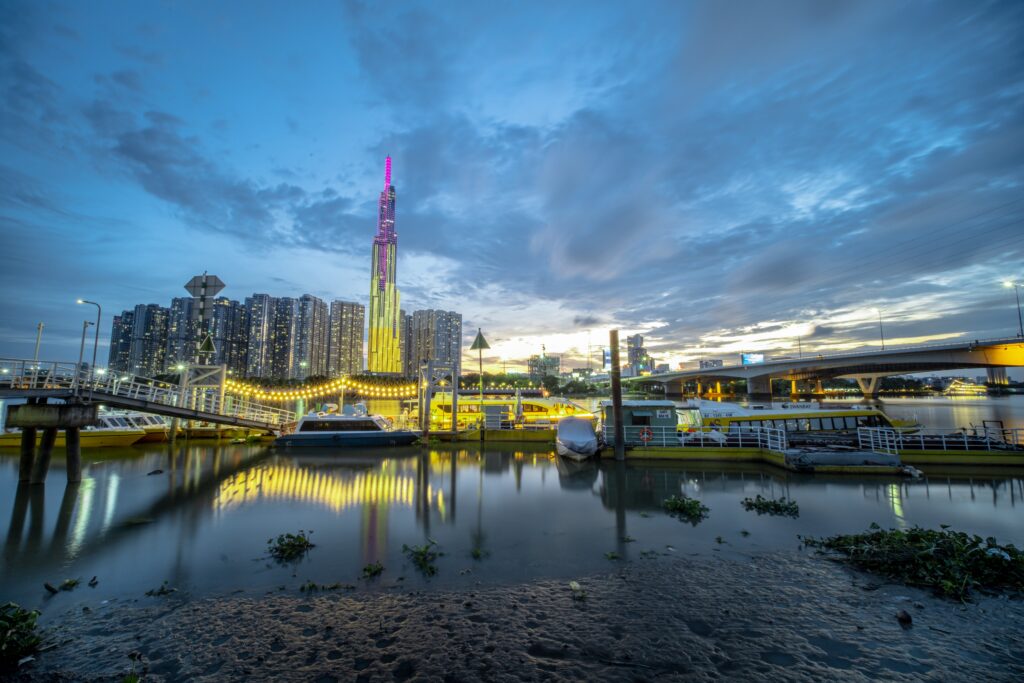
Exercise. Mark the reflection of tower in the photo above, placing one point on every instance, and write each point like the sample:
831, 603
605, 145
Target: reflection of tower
384, 354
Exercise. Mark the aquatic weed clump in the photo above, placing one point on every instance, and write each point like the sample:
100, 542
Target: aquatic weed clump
18, 636
951, 563
423, 556
287, 547
782, 507
685, 508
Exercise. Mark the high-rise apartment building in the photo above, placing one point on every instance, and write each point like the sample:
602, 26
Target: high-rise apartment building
345, 338
433, 335
259, 313
121, 342
229, 331
182, 332
311, 334
149, 340
385, 354
286, 318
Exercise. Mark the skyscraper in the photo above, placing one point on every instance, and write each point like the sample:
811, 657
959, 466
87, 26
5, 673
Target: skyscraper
182, 331
385, 353
286, 318
433, 335
259, 311
311, 338
149, 340
229, 330
121, 342
345, 344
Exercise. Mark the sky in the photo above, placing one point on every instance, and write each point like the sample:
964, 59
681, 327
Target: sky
717, 176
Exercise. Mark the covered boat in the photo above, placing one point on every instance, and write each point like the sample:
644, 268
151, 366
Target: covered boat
351, 429
576, 438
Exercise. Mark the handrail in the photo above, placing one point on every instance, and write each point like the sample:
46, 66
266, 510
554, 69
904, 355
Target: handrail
976, 439
706, 437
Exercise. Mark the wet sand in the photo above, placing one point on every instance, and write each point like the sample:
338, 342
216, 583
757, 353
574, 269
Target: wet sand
783, 616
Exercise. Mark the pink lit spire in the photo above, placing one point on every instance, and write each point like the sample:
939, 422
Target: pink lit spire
387, 173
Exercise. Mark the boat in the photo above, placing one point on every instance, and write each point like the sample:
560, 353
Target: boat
959, 387
796, 416
518, 411
352, 428
154, 426
576, 438
109, 430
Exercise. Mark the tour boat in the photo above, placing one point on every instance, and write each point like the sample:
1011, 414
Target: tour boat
576, 438
108, 431
154, 426
530, 412
791, 416
353, 428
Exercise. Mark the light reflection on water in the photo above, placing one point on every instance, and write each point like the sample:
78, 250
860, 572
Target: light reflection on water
202, 523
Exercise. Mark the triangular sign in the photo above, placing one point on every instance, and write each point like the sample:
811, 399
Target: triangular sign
207, 345
479, 343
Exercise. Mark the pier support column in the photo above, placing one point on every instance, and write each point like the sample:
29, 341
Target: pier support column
794, 389
674, 390
42, 463
868, 386
73, 448
759, 388
818, 389
28, 454
997, 376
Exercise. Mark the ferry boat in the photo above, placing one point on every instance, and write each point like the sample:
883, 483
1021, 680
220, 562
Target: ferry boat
791, 416
351, 429
530, 412
154, 426
959, 387
110, 430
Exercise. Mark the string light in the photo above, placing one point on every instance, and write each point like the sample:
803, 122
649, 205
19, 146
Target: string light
334, 387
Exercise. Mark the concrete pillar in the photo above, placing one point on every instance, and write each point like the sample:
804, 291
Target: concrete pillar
818, 389
759, 388
868, 386
793, 388
28, 454
997, 376
674, 390
699, 389
73, 448
718, 388
42, 463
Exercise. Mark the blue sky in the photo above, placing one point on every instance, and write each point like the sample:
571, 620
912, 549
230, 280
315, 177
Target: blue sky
719, 176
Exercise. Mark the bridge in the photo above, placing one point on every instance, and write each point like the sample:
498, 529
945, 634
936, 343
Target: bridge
864, 366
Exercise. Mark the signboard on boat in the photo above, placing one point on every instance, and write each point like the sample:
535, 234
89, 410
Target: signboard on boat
751, 358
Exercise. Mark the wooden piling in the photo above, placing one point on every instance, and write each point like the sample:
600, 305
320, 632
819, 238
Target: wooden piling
616, 376
28, 454
42, 463
72, 440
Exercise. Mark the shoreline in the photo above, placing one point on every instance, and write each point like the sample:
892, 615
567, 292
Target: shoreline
777, 616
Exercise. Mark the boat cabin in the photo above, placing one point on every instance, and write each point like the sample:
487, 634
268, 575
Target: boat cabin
641, 414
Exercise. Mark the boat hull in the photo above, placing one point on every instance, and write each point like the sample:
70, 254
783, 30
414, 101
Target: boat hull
87, 439
576, 451
347, 439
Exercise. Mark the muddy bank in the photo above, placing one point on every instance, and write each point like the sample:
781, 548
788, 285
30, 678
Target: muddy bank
777, 617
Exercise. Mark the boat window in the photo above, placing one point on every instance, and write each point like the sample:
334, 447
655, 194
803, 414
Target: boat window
791, 425
851, 422
340, 426
816, 424
641, 420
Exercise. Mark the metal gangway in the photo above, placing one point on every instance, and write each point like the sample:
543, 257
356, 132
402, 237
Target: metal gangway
200, 397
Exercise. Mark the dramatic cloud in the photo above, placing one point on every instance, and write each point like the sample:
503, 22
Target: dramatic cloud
716, 176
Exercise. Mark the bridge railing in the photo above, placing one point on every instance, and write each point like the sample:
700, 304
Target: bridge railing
886, 440
48, 375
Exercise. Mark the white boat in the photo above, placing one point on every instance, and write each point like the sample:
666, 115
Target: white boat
576, 438
353, 428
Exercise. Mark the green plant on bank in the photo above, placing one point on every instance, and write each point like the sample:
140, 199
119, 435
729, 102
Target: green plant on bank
423, 556
685, 508
577, 591
164, 589
767, 506
373, 570
134, 676
478, 553
18, 636
288, 547
68, 584
951, 563
612, 555
312, 587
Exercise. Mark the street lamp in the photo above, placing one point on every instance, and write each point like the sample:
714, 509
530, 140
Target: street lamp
96, 341
1020, 320
75, 384
881, 332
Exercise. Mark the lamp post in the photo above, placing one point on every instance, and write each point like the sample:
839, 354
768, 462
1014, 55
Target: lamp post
95, 344
76, 385
1020, 319
881, 332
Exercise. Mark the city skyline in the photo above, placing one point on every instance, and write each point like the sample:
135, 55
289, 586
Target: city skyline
811, 171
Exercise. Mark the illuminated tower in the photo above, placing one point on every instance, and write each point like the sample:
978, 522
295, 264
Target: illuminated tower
385, 350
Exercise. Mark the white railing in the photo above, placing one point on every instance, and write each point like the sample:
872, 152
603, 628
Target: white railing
885, 440
704, 437
29, 375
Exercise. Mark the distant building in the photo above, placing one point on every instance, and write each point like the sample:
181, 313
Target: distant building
637, 357
433, 335
345, 338
229, 330
259, 311
711, 363
149, 340
121, 342
286, 318
661, 368
182, 332
311, 335
385, 351
543, 366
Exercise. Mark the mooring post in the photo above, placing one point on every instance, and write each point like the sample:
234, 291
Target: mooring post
42, 463
73, 447
620, 430
28, 454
